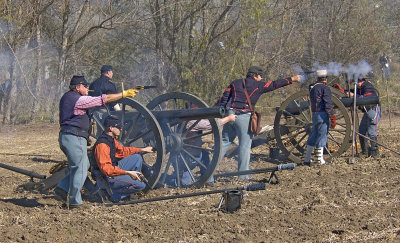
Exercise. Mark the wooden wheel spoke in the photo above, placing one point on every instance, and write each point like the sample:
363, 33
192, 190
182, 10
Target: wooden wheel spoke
302, 138
332, 138
294, 126
292, 135
132, 126
198, 161
292, 148
295, 117
164, 175
174, 159
142, 134
342, 132
297, 143
339, 116
342, 125
327, 150
187, 166
300, 111
191, 127
123, 113
199, 135
198, 147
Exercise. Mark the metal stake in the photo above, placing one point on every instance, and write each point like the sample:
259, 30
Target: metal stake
352, 161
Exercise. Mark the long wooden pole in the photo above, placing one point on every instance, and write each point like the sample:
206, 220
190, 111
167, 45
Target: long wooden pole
388, 102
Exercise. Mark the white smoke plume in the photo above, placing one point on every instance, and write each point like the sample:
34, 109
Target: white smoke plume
353, 71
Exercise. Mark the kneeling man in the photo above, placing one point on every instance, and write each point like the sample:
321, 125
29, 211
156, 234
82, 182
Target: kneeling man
119, 165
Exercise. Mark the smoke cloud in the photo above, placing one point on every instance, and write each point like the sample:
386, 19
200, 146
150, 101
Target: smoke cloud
353, 71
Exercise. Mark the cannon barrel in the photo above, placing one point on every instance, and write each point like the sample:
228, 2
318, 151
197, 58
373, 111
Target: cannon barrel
191, 114
368, 100
22, 171
296, 107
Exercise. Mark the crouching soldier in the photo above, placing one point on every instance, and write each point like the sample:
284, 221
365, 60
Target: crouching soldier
322, 112
120, 166
369, 122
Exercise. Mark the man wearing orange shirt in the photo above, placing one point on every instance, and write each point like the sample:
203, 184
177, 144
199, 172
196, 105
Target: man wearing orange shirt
119, 165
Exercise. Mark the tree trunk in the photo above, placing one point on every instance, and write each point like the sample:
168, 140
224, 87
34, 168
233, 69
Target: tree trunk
62, 56
39, 67
310, 43
9, 117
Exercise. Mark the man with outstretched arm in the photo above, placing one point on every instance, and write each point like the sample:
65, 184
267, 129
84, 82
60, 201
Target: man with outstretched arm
74, 126
234, 98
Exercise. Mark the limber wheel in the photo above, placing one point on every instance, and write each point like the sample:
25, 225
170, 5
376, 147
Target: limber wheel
192, 155
139, 129
293, 123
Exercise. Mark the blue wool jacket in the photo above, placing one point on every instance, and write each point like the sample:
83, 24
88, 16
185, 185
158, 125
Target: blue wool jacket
103, 85
321, 98
234, 96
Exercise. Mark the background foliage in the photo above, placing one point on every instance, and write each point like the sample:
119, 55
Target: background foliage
195, 46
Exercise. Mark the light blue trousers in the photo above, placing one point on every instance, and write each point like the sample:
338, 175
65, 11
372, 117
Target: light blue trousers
239, 128
75, 148
123, 185
369, 122
319, 130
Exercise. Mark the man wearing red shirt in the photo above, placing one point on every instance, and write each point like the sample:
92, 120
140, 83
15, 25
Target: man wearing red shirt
119, 165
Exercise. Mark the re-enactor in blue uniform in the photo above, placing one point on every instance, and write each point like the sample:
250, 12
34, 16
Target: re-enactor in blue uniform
369, 122
103, 85
234, 98
322, 110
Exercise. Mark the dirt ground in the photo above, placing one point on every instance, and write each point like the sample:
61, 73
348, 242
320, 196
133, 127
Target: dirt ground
339, 203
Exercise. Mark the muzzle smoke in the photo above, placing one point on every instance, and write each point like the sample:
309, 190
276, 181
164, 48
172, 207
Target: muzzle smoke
353, 71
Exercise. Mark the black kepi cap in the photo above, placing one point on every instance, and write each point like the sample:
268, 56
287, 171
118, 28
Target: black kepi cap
112, 121
106, 68
78, 80
255, 70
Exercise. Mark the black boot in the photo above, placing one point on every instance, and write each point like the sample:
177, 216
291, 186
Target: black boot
363, 145
373, 150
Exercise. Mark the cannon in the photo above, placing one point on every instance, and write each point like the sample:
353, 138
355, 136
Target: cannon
163, 125
292, 124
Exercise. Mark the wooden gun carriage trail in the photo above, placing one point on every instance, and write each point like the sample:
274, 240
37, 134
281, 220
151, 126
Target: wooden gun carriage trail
162, 123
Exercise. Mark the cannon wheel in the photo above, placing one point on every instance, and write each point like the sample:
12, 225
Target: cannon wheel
292, 130
140, 129
182, 155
